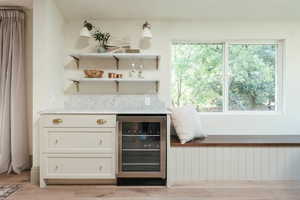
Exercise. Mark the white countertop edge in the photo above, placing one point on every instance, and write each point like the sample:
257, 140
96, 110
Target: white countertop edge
67, 112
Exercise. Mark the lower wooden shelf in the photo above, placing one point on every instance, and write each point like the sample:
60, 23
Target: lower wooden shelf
116, 81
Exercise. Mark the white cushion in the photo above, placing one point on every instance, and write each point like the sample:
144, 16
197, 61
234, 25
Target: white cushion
187, 123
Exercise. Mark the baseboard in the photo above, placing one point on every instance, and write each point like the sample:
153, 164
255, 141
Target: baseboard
35, 175
35, 179
81, 181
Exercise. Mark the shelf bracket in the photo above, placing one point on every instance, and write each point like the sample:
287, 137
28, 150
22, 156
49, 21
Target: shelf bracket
117, 61
157, 86
117, 86
77, 61
157, 62
76, 83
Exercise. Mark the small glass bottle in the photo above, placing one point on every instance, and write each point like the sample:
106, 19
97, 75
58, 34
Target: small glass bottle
132, 72
141, 71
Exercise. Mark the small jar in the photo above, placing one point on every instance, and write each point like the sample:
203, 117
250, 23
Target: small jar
111, 75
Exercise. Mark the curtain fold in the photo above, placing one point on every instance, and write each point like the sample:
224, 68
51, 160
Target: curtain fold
14, 155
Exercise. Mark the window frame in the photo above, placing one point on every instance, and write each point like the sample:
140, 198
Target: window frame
279, 74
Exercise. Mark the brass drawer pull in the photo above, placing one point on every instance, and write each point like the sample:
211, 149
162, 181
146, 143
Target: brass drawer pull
101, 121
57, 121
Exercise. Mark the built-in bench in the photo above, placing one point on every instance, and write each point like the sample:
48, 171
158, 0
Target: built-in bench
235, 157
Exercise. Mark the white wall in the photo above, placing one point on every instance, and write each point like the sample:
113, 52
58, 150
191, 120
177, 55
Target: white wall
166, 31
221, 163
54, 39
48, 55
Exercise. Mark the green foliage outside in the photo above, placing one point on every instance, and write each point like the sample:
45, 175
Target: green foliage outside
252, 84
198, 76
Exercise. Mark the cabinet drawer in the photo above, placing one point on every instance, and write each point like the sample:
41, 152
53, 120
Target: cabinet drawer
79, 121
78, 166
70, 140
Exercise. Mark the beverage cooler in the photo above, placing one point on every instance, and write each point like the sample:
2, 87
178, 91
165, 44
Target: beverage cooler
142, 147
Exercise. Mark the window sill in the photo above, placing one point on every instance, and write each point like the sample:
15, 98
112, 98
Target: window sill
246, 113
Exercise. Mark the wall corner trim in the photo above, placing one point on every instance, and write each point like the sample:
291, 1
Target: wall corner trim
35, 175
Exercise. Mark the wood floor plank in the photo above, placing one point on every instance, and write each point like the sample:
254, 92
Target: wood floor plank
212, 190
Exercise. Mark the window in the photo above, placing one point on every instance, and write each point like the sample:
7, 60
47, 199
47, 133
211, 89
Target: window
227, 76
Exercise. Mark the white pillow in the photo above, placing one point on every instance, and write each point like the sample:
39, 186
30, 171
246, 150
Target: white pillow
187, 123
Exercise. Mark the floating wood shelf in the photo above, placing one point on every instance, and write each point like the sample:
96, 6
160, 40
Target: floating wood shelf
117, 57
116, 81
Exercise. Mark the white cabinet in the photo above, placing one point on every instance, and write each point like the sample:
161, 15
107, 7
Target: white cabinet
77, 147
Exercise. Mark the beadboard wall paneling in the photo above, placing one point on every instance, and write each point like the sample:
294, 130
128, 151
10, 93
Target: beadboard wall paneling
192, 164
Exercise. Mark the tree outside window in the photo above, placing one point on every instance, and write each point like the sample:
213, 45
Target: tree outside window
243, 80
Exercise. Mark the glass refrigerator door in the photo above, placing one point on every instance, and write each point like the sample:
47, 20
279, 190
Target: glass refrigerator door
141, 146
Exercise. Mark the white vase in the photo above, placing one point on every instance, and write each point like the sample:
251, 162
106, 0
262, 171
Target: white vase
101, 49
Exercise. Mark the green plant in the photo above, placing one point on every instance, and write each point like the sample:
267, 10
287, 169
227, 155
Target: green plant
101, 37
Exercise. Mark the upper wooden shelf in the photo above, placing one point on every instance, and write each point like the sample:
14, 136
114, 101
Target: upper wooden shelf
115, 79
117, 56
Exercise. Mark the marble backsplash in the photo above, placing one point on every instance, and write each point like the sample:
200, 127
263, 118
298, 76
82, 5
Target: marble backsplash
114, 102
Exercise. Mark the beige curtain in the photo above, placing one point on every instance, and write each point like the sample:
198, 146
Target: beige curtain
13, 125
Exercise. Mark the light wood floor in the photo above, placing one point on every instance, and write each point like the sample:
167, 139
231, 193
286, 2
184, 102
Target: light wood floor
280, 190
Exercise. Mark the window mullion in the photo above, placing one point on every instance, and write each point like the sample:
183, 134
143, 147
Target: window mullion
225, 78
276, 78
279, 77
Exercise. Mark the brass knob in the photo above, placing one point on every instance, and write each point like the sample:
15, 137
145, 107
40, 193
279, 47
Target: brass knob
57, 121
101, 121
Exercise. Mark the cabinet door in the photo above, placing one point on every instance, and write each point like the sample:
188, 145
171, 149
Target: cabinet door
78, 166
78, 140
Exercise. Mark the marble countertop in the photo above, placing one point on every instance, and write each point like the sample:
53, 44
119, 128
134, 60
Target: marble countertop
104, 112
